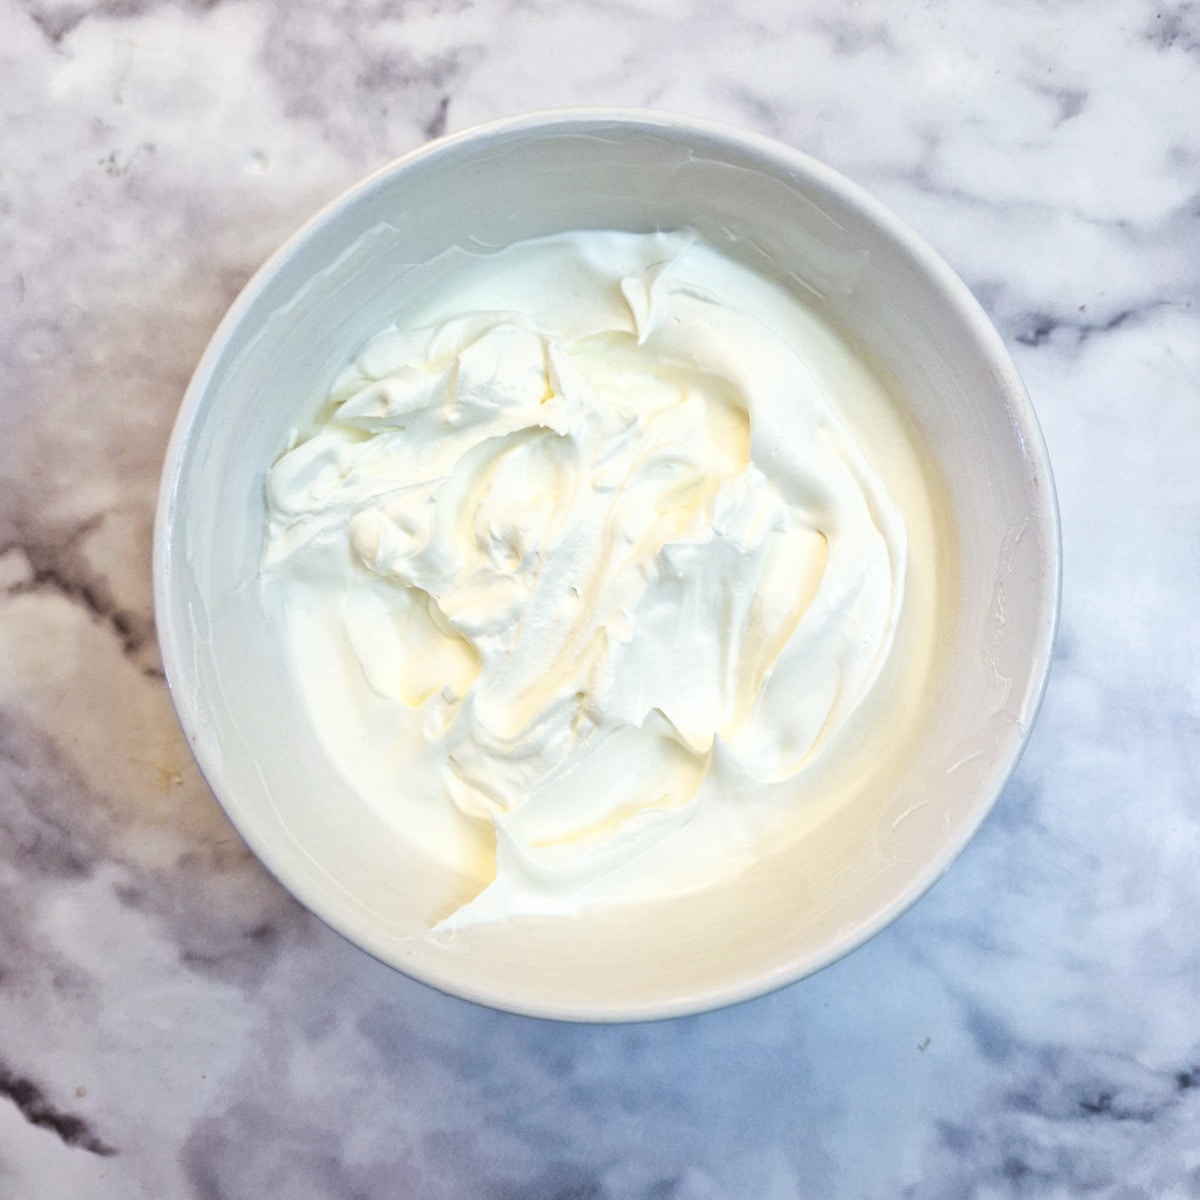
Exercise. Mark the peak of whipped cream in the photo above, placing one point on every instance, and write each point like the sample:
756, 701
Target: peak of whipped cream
580, 557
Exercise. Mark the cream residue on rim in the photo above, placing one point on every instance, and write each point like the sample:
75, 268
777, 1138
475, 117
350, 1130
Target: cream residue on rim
585, 575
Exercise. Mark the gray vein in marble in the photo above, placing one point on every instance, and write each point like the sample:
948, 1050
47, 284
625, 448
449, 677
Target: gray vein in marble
848, 37
34, 1106
1142, 233
40, 834
1034, 329
1072, 1123
1171, 244
436, 125
60, 568
59, 20
1176, 27
352, 99
1069, 101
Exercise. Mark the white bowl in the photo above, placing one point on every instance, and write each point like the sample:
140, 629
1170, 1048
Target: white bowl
301, 318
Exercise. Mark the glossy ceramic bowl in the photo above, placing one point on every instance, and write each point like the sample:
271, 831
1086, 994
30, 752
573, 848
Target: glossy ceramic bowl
333, 285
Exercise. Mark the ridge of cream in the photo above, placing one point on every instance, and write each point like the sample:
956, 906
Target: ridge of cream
582, 563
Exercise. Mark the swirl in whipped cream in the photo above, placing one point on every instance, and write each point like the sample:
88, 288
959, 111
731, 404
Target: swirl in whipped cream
600, 544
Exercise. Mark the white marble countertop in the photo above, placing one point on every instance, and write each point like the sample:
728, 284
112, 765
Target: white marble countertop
173, 1024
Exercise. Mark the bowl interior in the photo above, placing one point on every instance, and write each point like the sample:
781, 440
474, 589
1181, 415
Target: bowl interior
334, 285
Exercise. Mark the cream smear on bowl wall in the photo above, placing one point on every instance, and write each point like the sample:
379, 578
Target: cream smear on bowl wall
720, 766
604, 569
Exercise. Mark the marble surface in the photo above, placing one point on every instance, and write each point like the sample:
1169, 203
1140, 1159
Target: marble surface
173, 1024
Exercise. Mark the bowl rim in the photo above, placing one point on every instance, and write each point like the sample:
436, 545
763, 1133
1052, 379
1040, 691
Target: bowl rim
778, 156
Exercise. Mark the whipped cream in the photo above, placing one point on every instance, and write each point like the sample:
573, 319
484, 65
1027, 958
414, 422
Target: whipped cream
581, 570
